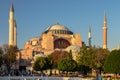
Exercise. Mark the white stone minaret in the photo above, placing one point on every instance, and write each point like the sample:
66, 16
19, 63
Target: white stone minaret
15, 33
105, 32
12, 28
89, 36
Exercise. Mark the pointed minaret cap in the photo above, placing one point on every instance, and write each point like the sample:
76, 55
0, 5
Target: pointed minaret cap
89, 32
12, 8
89, 29
105, 16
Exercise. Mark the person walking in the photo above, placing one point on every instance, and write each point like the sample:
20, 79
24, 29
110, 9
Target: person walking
99, 77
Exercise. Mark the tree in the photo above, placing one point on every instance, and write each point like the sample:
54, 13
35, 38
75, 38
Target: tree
112, 63
1, 51
9, 55
49, 62
42, 63
70, 54
93, 58
55, 56
1, 56
67, 64
85, 59
100, 57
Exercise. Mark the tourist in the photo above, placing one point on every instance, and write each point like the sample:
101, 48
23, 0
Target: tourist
99, 77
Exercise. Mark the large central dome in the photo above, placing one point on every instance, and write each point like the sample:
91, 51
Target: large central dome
58, 29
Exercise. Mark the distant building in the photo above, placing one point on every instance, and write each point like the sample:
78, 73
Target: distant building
116, 48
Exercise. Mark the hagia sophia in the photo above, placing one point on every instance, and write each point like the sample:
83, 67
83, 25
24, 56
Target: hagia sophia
55, 37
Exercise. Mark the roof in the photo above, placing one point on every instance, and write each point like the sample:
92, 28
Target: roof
58, 29
57, 26
40, 55
74, 48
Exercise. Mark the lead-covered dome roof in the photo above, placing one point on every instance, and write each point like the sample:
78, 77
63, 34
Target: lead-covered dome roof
58, 29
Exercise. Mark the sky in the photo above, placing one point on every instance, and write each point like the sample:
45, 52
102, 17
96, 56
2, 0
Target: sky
34, 16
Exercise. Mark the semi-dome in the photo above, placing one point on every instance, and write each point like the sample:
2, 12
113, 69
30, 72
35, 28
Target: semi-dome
40, 55
74, 48
58, 29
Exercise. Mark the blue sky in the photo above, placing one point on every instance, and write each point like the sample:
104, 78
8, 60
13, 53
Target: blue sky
34, 16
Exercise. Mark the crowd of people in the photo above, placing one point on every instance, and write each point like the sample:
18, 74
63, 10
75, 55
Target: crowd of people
16, 73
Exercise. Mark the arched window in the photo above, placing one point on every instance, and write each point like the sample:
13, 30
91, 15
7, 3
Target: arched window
61, 43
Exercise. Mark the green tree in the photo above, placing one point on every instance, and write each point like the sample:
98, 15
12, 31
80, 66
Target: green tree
93, 58
1, 51
55, 56
10, 55
85, 59
100, 57
70, 54
67, 64
112, 63
1, 56
42, 63
49, 62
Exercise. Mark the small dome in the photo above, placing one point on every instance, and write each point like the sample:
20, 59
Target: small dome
34, 39
74, 48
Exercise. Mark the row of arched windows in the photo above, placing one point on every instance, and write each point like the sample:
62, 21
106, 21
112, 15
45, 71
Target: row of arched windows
61, 32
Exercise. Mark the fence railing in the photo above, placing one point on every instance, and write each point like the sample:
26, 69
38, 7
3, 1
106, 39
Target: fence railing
42, 78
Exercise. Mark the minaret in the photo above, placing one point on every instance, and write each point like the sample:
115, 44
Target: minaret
12, 27
15, 33
105, 32
89, 36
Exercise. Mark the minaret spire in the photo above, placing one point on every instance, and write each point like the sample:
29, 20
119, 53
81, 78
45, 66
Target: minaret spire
12, 7
89, 36
105, 16
105, 32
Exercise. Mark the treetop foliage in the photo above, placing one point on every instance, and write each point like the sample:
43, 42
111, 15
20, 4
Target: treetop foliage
92, 57
40, 64
112, 63
67, 64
